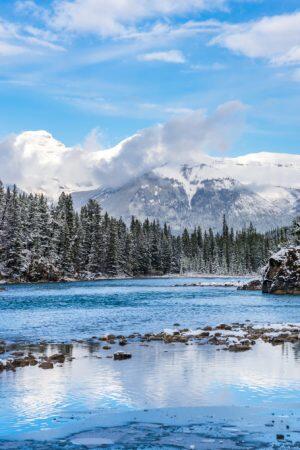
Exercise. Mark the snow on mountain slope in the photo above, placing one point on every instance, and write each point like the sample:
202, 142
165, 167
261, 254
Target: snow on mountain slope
166, 199
258, 168
264, 190
260, 187
277, 169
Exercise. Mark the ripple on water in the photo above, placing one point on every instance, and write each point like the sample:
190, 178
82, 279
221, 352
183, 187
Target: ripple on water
66, 310
158, 376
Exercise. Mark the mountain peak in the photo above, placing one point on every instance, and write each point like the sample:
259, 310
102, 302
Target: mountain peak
262, 190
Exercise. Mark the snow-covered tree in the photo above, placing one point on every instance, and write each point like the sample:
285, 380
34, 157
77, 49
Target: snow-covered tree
41, 241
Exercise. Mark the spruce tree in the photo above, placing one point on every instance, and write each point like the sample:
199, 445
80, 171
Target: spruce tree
41, 241
296, 230
112, 266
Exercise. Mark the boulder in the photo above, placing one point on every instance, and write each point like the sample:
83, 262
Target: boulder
119, 356
59, 358
18, 353
223, 326
282, 273
252, 285
46, 365
239, 348
110, 337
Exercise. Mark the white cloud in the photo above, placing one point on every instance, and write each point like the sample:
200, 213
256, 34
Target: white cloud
7, 49
207, 67
35, 161
170, 56
142, 41
118, 17
17, 39
289, 58
9, 43
184, 138
275, 38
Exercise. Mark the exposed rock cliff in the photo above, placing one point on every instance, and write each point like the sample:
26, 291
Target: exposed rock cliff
282, 273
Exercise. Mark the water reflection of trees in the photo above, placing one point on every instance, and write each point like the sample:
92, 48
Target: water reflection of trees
296, 351
291, 350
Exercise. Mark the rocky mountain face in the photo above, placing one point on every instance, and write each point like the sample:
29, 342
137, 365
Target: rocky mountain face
282, 274
263, 189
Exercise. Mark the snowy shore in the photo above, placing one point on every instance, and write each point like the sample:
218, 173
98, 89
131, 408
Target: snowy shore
4, 282
235, 337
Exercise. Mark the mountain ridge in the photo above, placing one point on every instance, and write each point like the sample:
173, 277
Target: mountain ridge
264, 191
263, 187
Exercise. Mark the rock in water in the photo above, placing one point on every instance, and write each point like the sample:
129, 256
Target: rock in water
282, 273
60, 358
253, 285
46, 365
119, 356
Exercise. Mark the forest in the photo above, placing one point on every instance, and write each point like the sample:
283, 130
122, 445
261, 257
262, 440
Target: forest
41, 241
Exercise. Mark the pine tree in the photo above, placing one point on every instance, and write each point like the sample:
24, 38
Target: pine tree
14, 248
166, 250
96, 253
296, 230
40, 241
112, 265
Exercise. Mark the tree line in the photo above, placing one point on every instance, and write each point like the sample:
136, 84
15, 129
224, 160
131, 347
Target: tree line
40, 241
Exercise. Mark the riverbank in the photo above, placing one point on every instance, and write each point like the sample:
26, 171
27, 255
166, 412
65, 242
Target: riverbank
234, 337
127, 277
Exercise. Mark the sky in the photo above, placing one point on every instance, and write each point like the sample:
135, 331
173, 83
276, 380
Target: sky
114, 67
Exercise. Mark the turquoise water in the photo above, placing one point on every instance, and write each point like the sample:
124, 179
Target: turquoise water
92, 390
60, 312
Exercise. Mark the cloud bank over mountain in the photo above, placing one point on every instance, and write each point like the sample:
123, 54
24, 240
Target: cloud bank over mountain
37, 162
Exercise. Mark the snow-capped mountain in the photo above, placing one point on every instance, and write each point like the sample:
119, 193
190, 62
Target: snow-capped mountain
261, 188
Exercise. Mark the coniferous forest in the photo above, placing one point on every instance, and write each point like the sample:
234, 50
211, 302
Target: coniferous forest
40, 241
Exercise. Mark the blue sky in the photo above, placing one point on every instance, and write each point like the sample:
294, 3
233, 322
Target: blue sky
119, 66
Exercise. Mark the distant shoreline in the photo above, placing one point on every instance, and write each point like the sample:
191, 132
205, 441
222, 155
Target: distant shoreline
124, 277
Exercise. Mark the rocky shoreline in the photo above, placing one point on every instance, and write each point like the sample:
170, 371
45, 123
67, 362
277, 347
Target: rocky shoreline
235, 337
281, 276
211, 284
